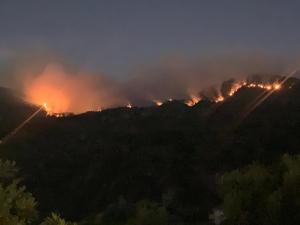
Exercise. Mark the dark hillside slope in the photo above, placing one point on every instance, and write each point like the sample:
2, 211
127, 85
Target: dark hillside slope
13, 110
81, 164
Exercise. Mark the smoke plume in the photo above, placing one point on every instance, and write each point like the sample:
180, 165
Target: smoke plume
67, 89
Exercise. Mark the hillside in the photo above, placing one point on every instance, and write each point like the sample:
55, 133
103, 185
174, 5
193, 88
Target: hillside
13, 110
79, 165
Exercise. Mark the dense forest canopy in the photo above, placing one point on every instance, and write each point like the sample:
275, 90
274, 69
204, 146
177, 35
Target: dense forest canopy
162, 164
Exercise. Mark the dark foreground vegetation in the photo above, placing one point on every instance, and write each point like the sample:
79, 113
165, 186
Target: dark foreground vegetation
208, 164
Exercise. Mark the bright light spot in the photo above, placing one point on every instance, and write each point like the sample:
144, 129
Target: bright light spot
219, 99
157, 102
277, 86
46, 107
274, 86
268, 87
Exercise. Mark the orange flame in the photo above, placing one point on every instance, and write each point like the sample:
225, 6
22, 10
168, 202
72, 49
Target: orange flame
157, 102
235, 88
220, 98
47, 109
71, 92
193, 100
277, 86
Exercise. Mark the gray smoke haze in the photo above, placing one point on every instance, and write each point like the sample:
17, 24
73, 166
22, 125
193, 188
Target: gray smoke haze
67, 88
180, 78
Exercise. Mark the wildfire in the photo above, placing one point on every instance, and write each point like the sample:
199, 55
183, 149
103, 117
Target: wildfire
58, 115
157, 102
57, 92
65, 90
235, 88
220, 98
277, 86
268, 87
274, 86
47, 108
193, 100
51, 113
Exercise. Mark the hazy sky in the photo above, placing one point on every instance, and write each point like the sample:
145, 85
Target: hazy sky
114, 36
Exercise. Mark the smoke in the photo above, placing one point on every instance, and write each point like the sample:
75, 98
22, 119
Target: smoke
66, 89
66, 92
180, 79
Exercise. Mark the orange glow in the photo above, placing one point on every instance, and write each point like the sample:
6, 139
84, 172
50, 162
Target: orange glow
193, 100
268, 87
277, 86
48, 110
158, 102
220, 98
238, 85
49, 97
59, 92
235, 87
252, 85
65, 92
47, 90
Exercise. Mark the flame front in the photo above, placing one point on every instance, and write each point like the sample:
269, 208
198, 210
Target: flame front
59, 93
268, 87
234, 88
220, 98
193, 100
274, 86
277, 86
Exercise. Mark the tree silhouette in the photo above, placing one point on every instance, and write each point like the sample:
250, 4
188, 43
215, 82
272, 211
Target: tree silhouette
259, 195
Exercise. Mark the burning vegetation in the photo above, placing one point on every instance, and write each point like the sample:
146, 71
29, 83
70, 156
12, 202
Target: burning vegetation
229, 88
157, 102
60, 92
193, 100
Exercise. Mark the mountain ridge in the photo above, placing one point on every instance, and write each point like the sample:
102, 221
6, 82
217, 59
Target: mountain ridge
82, 163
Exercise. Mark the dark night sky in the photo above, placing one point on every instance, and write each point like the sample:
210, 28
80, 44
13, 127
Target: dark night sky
115, 36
